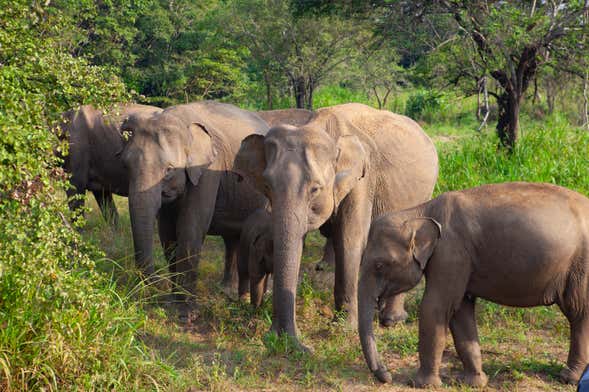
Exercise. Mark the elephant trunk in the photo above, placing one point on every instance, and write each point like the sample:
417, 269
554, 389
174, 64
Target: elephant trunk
289, 223
366, 308
143, 208
257, 288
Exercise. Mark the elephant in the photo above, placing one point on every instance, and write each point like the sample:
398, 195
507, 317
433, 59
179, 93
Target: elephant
94, 140
515, 244
348, 164
296, 117
255, 256
180, 163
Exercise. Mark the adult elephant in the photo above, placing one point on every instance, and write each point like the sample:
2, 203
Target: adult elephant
295, 117
180, 163
94, 138
347, 165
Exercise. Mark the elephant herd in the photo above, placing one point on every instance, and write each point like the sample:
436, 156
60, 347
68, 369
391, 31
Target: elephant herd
364, 178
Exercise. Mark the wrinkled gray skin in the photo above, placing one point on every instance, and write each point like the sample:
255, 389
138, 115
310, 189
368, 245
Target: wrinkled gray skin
255, 256
95, 140
180, 163
516, 244
349, 164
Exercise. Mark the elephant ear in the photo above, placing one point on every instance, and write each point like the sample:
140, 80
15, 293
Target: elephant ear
129, 125
350, 166
250, 161
424, 234
200, 152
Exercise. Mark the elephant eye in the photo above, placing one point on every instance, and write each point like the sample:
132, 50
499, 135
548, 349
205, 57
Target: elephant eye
379, 266
315, 188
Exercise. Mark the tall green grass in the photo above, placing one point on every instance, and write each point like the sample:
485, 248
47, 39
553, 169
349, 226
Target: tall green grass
553, 152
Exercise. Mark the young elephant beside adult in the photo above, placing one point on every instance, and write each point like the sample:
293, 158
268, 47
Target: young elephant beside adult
349, 164
180, 163
95, 139
255, 256
516, 244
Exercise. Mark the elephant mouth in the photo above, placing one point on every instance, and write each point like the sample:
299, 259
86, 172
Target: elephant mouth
168, 197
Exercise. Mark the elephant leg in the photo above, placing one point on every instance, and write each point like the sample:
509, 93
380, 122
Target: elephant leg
76, 204
433, 324
464, 332
393, 311
578, 357
350, 236
242, 272
230, 274
107, 206
328, 259
195, 214
166, 221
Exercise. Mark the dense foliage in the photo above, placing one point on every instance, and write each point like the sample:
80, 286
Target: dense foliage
62, 326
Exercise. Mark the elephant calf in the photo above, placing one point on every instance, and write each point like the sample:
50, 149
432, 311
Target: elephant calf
255, 255
516, 244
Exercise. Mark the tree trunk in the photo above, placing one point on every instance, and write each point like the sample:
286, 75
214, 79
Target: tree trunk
269, 98
586, 100
377, 97
508, 122
485, 109
310, 90
385, 98
298, 85
550, 96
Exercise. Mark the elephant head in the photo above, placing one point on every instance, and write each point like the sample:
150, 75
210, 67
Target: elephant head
394, 261
163, 157
305, 173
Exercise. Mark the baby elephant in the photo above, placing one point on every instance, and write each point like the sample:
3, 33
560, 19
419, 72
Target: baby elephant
255, 256
516, 244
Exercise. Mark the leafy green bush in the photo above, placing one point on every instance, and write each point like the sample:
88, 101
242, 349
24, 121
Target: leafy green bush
552, 153
425, 105
62, 325
330, 95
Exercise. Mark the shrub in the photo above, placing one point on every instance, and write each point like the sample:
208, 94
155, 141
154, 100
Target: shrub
424, 105
62, 326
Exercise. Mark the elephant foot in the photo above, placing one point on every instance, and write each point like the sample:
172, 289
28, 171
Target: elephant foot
348, 320
323, 265
569, 376
293, 343
474, 379
424, 380
158, 282
230, 291
230, 283
388, 320
244, 297
187, 313
383, 375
